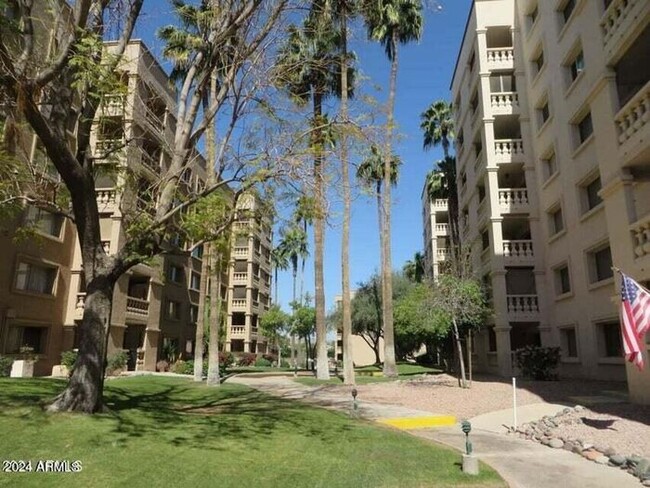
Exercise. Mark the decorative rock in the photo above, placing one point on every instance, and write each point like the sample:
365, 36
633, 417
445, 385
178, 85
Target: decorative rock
600, 448
632, 461
556, 444
602, 460
578, 408
617, 460
642, 468
546, 441
587, 445
591, 454
646, 483
609, 452
566, 411
577, 449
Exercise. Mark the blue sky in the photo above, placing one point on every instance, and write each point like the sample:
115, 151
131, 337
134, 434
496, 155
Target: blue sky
425, 72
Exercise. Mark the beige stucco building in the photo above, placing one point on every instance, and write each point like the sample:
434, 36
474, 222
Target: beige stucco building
249, 277
552, 109
437, 243
362, 353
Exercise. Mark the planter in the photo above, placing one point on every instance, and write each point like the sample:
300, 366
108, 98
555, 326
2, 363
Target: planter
60, 371
22, 368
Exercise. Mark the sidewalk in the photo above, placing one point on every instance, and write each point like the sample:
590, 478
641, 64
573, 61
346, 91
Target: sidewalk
523, 464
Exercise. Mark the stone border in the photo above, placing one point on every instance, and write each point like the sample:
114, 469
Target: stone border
540, 431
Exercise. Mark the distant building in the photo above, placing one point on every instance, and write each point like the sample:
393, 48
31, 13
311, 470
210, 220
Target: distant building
436, 234
362, 353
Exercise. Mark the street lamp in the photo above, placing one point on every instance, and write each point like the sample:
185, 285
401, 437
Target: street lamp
355, 406
466, 426
470, 462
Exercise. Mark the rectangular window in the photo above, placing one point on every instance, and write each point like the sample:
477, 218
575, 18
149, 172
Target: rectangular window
591, 199
549, 165
44, 221
610, 340
585, 128
173, 310
485, 239
22, 336
562, 280
35, 278
532, 17
197, 252
194, 313
556, 222
600, 264
543, 114
492, 340
577, 66
474, 102
569, 343
503, 82
538, 62
175, 274
195, 281
568, 9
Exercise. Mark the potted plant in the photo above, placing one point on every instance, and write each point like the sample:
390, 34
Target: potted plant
24, 367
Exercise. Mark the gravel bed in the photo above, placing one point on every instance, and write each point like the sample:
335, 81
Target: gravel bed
620, 426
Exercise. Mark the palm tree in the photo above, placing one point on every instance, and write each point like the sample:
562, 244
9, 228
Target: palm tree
309, 66
414, 269
438, 125
391, 22
279, 261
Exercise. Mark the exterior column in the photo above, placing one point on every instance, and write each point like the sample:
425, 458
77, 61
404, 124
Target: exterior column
247, 346
504, 355
501, 324
228, 346
116, 339
150, 351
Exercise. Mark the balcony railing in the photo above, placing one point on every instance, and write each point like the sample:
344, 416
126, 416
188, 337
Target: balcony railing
107, 246
518, 250
240, 251
500, 57
522, 304
237, 330
442, 253
634, 116
513, 199
137, 306
81, 301
439, 204
238, 303
240, 277
616, 15
509, 150
106, 197
150, 161
441, 228
504, 102
641, 233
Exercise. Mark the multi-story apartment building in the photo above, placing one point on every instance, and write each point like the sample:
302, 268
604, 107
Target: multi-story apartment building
362, 353
553, 140
249, 278
437, 240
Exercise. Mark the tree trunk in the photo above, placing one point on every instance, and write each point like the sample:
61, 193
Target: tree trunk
375, 349
390, 366
199, 349
348, 362
85, 387
322, 366
469, 356
294, 352
215, 317
459, 350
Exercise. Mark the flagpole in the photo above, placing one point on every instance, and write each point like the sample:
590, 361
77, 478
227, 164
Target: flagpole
614, 268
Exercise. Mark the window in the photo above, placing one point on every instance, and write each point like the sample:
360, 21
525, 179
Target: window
538, 62
562, 280
463, 179
577, 66
610, 340
20, 336
35, 278
474, 102
472, 62
485, 239
556, 222
44, 221
194, 313
195, 281
197, 252
492, 340
173, 310
549, 166
585, 128
481, 194
175, 274
568, 342
503, 82
590, 197
543, 114
600, 264
568, 9
532, 17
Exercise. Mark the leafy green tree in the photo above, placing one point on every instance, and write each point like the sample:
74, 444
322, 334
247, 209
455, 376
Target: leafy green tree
391, 23
304, 326
274, 323
414, 269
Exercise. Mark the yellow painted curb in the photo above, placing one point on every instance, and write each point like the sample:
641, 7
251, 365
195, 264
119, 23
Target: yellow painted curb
411, 423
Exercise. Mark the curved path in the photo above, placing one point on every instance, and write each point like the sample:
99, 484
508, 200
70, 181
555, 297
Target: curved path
523, 464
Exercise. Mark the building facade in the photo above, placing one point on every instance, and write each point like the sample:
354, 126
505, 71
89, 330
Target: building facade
249, 290
553, 154
362, 353
437, 239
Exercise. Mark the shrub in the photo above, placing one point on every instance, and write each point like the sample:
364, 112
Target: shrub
5, 366
284, 364
162, 366
271, 358
117, 362
246, 359
262, 363
68, 359
183, 367
226, 359
538, 363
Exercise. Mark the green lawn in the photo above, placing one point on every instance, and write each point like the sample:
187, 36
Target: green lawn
364, 375
172, 432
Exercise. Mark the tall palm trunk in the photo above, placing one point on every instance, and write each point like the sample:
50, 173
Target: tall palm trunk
293, 334
348, 363
390, 366
322, 368
200, 318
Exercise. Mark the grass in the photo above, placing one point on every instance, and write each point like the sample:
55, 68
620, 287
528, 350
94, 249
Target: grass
364, 373
171, 431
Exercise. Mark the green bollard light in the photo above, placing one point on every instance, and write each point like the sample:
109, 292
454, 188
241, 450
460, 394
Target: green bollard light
466, 426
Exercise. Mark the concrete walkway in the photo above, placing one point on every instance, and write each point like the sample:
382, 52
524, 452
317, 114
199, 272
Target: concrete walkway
522, 463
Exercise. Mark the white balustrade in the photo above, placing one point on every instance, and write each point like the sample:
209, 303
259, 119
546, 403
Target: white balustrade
442, 253
511, 198
635, 115
615, 16
518, 249
641, 233
504, 101
508, 150
240, 276
500, 56
522, 304
439, 203
237, 330
106, 197
442, 228
240, 251
239, 303
137, 306
81, 301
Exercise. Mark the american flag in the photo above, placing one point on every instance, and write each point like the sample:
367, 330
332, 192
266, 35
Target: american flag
635, 318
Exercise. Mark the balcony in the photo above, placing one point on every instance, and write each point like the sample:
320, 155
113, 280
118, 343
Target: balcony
641, 234
151, 162
79, 306
239, 304
107, 246
237, 331
478, 163
137, 308
113, 105
518, 252
240, 251
632, 121
441, 229
509, 151
439, 204
241, 278
504, 103
443, 254
522, 307
106, 199
618, 22
500, 58
513, 200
